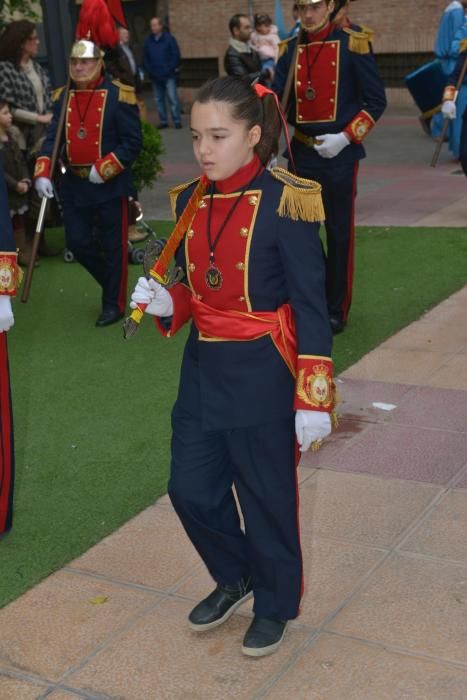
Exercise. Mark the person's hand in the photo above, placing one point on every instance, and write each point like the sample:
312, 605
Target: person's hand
158, 300
22, 187
44, 187
448, 109
311, 426
330, 145
6, 314
44, 118
94, 176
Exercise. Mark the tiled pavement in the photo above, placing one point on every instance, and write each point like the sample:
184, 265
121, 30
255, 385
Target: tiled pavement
384, 535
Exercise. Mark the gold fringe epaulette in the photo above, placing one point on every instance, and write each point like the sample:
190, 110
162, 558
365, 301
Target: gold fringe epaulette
283, 46
300, 199
359, 42
369, 32
56, 93
463, 46
126, 93
175, 191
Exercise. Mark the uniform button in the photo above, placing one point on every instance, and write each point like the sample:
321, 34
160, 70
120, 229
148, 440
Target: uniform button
253, 200
192, 267
69, 109
98, 125
190, 233
333, 46
68, 141
333, 82
241, 298
202, 204
199, 296
240, 266
332, 99
298, 83
244, 231
333, 63
331, 116
299, 66
300, 50
96, 142
99, 109
300, 116
68, 124
102, 94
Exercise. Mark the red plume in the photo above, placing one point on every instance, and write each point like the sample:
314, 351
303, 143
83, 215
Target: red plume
97, 24
116, 10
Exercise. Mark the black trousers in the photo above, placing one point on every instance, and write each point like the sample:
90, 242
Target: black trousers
339, 183
98, 238
260, 462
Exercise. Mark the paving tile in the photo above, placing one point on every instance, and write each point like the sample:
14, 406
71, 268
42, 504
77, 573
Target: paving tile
152, 549
342, 669
453, 375
449, 312
445, 409
443, 534
331, 571
399, 366
63, 695
462, 483
361, 509
14, 689
357, 397
415, 604
400, 452
334, 444
55, 625
431, 336
162, 653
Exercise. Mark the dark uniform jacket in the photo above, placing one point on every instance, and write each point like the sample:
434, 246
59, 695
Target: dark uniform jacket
112, 142
266, 261
349, 94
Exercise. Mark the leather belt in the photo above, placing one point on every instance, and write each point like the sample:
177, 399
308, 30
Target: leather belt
307, 140
81, 171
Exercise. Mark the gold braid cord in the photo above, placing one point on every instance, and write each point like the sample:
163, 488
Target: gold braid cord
300, 199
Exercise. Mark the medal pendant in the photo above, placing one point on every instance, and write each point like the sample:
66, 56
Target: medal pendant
310, 93
213, 277
81, 133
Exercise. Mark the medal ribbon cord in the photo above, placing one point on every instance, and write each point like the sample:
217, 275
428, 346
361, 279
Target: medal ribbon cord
309, 66
82, 118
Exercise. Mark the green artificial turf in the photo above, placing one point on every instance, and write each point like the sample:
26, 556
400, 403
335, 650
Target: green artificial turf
92, 412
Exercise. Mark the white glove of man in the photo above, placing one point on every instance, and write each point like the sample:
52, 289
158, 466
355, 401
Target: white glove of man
6, 314
311, 426
44, 187
448, 109
331, 144
94, 176
158, 300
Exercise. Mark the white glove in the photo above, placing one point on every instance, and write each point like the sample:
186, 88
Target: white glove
331, 144
311, 426
158, 300
94, 176
6, 314
44, 187
448, 108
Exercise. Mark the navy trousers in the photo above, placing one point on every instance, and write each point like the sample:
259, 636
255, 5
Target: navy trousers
98, 238
339, 183
260, 462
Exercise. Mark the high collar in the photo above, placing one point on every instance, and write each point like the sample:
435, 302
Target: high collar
92, 85
322, 34
241, 178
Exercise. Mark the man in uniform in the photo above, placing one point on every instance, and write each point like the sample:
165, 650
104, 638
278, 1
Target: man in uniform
102, 138
336, 96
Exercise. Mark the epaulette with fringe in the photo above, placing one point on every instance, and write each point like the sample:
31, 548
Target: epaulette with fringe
126, 93
359, 41
56, 93
463, 46
300, 199
369, 32
175, 191
283, 46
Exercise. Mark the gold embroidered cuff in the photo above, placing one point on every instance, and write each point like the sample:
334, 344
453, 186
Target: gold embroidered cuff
449, 93
109, 166
10, 274
42, 167
315, 389
360, 126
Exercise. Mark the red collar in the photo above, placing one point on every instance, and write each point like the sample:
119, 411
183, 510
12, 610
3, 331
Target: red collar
93, 85
322, 34
239, 179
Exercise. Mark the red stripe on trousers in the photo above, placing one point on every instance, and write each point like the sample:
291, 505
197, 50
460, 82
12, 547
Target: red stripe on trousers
6, 470
124, 274
297, 460
351, 256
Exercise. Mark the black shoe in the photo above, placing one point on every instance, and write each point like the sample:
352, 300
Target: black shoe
219, 605
109, 316
179, 126
163, 126
264, 636
337, 324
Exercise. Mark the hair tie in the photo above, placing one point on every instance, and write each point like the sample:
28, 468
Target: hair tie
262, 91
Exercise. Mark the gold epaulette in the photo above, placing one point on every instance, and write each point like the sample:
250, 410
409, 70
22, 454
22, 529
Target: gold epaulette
175, 191
56, 93
126, 93
369, 32
283, 46
359, 42
463, 46
300, 198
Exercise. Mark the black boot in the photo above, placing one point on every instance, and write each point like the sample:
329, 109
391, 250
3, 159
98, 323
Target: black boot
219, 605
264, 636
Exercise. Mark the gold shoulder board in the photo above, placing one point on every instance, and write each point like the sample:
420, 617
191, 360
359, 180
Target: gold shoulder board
126, 93
300, 198
369, 32
284, 46
175, 191
359, 42
56, 93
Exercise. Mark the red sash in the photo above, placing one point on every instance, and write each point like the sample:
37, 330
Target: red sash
249, 325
